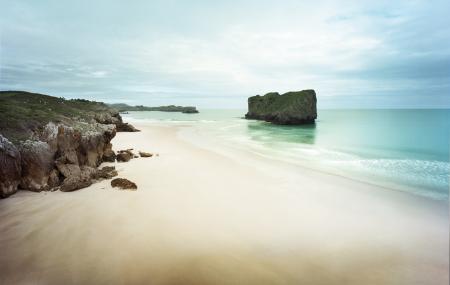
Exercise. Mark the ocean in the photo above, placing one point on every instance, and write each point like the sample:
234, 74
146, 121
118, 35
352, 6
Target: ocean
401, 149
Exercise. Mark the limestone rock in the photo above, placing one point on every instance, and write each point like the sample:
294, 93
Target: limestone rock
10, 170
287, 109
37, 164
125, 155
108, 154
145, 154
124, 184
106, 172
78, 180
125, 127
56, 143
75, 183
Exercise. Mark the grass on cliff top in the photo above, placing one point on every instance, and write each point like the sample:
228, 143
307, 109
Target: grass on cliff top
21, 112
273, 101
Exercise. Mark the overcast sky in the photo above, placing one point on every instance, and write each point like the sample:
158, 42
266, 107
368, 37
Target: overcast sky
214, 54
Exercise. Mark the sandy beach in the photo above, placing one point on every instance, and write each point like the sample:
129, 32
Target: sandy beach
205, 215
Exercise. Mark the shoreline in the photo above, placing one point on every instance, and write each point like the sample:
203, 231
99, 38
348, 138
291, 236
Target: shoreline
199, 215
185, 133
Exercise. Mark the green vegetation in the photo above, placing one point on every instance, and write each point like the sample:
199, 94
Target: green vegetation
290, 108
21, 112
171, 108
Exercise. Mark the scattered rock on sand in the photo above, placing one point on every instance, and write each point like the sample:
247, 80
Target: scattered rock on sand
124, 184
109, 155
106, 172
125, 155
145, 154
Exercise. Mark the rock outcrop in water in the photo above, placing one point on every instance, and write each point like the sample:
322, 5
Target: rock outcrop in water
51, 143
291, 108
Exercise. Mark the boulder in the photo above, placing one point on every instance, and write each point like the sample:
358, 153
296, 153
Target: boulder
78, 180
124, 184
11, 169
145, 154
37, 164
75, 183
124, 155
106, 172
69, 169
108, 154
291, 108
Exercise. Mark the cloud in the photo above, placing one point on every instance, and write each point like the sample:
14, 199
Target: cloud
211, 51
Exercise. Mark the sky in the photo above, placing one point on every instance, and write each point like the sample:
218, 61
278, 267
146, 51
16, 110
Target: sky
215, 54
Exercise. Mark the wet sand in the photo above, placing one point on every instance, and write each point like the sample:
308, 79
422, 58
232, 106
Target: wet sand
205, 217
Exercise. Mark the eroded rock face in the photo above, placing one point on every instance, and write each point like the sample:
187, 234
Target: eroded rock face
38, 154
287, 109
11, 169
106, 172
124, 184
108, 154
125, 127
37, 164
58, 155
116, 119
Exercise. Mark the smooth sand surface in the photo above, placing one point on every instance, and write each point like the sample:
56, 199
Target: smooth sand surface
201, 216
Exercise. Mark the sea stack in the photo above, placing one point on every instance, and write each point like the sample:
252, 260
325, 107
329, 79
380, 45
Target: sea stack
291, 108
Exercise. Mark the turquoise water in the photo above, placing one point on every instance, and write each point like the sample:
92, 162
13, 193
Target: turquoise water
401, 149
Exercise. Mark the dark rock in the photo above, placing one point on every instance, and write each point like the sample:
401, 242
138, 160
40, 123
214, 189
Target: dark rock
75, 183
145, 154
125, 127
124, 155
106, 172
123, 183
53, 179
37, 164
78, 180
189, 110
69, 169
10, 168
287, 109
109, 155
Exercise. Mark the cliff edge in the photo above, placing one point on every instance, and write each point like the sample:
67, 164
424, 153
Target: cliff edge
49, 143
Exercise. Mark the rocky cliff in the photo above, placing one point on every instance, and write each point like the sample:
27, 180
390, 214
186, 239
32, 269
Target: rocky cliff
51, 143
290, 108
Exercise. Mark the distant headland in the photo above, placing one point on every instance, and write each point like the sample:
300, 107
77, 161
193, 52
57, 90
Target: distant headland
121, 107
